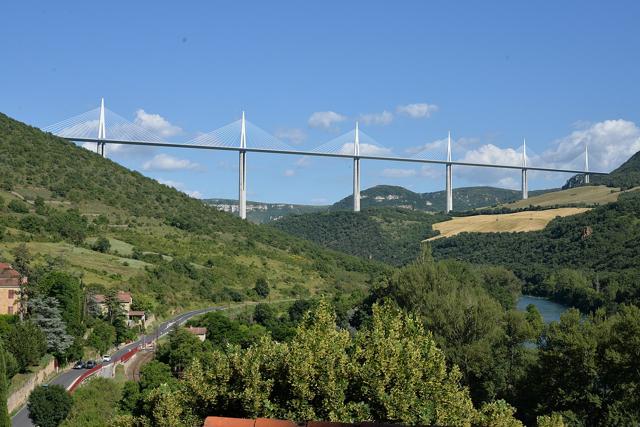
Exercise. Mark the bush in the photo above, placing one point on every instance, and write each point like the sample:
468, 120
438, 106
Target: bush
102, 244
18, 206
262, 287
49, 405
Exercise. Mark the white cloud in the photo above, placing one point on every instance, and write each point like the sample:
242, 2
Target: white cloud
325, 119
293, 135
398, 173
319, 201
156, 124
165, 162
383, 118
365, 149
492, 154
438, 148
180, 187
610, 142
194, 194
289, 172
417, 111
303, 162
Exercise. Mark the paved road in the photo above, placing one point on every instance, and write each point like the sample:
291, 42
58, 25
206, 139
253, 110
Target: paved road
21, 419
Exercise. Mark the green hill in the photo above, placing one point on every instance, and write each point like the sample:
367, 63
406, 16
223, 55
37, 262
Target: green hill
625, 177
587, 260
465, 198
391, 235
167, 248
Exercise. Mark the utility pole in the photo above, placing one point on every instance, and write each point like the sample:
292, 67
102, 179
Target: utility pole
242, 178
356, 171
525, 183
449, 177
102, 133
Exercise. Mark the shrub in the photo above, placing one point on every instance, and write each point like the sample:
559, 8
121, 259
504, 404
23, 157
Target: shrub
18, 206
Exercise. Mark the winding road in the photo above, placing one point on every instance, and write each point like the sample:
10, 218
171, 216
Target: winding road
66, 379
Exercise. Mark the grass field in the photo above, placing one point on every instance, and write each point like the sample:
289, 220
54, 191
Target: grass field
515, 222
591, 195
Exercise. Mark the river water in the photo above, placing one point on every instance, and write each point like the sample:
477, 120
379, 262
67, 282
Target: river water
549, 310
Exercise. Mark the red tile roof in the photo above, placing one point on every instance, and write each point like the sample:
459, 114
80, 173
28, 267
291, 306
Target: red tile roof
123, 297
265, 422
197, 331
10, 277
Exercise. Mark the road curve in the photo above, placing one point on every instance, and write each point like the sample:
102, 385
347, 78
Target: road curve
65, 379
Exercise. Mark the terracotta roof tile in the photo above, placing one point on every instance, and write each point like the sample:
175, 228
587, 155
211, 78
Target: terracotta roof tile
228, 422
197, 331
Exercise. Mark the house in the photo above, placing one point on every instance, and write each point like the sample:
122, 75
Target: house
124, 299
201, 333
11, 283
134, 317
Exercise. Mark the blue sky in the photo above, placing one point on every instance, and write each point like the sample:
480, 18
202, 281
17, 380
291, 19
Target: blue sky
561, 74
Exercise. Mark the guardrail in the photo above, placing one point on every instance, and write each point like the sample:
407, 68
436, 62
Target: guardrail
86, 374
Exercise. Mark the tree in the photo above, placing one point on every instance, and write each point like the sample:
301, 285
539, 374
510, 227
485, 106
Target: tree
154, 374
21, 259
49, 405
262, 287
102, 336
45, 313
27, 343
402, 376
264, 314
181, 348
102, 244
5, 420
66, 289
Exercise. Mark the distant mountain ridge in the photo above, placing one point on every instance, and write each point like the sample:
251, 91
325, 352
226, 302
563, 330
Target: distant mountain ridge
387, 196
262, 212
464, 198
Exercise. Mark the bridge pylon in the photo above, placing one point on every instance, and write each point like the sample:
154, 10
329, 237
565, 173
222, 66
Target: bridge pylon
449, 177
586, 164
102, 132
356, 170
525, 181
242, 175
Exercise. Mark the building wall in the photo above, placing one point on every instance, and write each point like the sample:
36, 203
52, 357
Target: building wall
9, 299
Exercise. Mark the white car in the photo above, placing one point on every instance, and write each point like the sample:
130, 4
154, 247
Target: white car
106, 358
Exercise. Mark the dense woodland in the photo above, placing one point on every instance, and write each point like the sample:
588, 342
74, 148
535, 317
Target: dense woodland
587, 261
391, 235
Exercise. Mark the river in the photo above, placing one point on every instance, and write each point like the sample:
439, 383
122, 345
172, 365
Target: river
549, 310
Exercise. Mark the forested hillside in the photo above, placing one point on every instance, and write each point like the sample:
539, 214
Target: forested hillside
625, 177
391, 235
164, 246
587, 260
464, 198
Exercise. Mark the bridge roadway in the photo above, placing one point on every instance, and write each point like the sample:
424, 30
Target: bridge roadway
334, 155
67, 378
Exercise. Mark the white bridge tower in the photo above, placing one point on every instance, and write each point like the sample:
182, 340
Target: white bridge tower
242, 177
449, 177
525, 182
102, 133
356, 171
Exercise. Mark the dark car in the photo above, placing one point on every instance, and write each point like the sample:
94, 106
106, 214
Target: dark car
90, 364
79, 365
